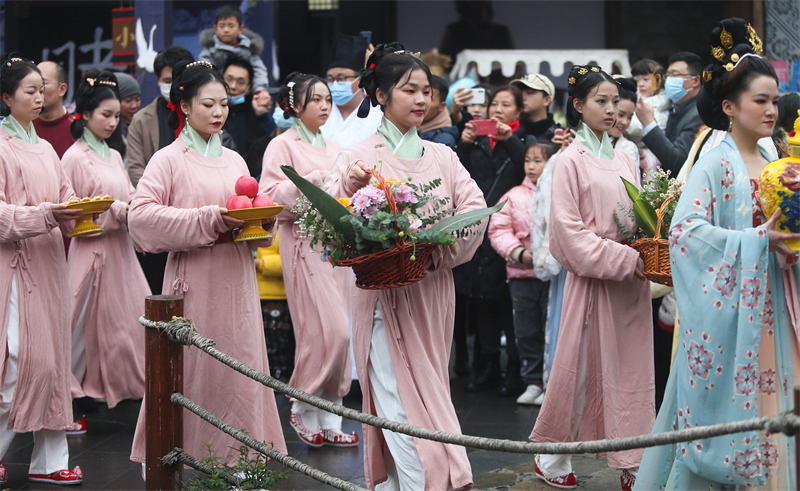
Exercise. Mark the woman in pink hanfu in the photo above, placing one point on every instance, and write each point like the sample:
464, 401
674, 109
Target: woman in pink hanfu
602, 383
314, 289
178, 207
107, 285
34, 310
402, 336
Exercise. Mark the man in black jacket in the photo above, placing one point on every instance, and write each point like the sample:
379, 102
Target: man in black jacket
537, 94
672, 145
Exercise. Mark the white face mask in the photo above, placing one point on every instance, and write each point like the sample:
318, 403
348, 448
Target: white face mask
164, 88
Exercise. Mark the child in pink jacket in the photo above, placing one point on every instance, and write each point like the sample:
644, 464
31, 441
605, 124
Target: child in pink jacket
510, 234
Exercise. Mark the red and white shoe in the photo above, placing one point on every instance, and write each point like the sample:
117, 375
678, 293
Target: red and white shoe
3, 474
63, 477
627, 480
312, 438
336, 438
568, 481
77, 427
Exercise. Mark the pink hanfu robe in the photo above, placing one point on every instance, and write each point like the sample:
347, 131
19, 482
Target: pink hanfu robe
32, 251
606, 314
314, 289
107, 281
176, 209
418, 319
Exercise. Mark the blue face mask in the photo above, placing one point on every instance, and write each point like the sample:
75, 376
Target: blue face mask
282, 123
341, 92
237, 99
673, 86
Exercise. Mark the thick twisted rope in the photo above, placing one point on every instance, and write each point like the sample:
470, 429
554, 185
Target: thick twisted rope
183, 331
180, 455
290, 462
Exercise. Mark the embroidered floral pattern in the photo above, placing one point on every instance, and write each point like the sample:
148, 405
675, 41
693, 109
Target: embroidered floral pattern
767, 383
700, 360
746, 379
725, 282
747, 464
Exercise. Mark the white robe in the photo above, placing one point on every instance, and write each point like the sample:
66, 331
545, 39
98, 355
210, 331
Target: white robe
348, 132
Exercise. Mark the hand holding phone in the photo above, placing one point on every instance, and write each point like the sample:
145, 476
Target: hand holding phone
478, 96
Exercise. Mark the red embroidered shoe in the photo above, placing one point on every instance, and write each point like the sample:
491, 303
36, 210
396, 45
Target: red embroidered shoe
336, 438
63, 477
3, 474
627, 480
77, 427
564, 482
312, 438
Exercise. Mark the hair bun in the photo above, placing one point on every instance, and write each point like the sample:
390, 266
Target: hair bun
731, 39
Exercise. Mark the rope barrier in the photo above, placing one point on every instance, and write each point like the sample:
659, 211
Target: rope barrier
180, 455
290, 462
182, 330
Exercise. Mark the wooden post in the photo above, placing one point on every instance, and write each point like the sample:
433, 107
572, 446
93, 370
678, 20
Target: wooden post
797, 437
164, 375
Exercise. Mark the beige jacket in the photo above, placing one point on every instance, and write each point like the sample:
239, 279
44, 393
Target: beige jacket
142, 140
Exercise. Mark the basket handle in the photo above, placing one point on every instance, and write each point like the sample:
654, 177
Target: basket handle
660, 214
389, 199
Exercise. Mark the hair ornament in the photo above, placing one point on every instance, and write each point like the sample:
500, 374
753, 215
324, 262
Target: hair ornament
181, 116
718, 53
755, 41
180, 87
595, 68
372, 66
571, 80
91, 81
291, 93
726, 38
734, 57
107, 82
583, 71
13, 60
708, 75
77, 116
200, 63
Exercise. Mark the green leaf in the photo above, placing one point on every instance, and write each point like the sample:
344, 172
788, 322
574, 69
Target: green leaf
457, 222
645, 216
328, 207
631, 189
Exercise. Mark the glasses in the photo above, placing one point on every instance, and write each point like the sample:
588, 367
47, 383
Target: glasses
340, 78
683, 75
50, 82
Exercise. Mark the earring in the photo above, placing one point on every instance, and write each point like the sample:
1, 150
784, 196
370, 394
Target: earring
730, 125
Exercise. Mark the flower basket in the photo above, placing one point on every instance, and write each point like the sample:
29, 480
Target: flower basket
654, 252
386, 232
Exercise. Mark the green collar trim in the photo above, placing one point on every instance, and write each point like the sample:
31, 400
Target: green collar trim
211, 148
99, 146
11, 125
408, 146
603, 150
315, 139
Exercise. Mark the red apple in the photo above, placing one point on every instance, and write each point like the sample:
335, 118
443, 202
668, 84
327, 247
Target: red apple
262, 200
247, 186
238, 202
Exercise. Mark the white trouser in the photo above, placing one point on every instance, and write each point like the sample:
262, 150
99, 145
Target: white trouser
407, 473
50, 450
316, 419
79, 337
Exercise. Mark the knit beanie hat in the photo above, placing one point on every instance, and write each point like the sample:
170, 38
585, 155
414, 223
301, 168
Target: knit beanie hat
127, 86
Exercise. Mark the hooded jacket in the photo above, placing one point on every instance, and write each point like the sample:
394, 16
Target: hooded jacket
248, 48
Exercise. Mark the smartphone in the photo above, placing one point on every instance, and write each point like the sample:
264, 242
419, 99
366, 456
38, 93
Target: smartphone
478, 96
366, 35
559, 132
485, 126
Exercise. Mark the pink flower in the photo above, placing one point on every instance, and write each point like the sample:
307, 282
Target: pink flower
746, 379
700, 360
404, 194
767, 383
725, 282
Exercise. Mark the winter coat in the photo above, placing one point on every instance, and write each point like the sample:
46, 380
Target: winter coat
249, 49
510, 227
495, 171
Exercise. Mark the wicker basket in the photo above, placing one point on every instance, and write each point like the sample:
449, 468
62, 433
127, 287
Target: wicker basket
655, 252
390, 268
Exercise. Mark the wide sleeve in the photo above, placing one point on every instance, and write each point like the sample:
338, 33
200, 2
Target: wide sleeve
19, 222
337, 182
579, 249
155, 226
501, 228
466, 196
277, 184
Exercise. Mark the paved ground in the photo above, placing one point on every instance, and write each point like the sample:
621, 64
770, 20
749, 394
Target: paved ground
103, 452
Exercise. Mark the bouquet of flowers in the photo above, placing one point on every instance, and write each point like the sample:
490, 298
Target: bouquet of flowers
385, 231
652, 208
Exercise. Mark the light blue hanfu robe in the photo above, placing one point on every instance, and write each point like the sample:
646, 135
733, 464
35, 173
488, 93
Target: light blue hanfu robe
722, 270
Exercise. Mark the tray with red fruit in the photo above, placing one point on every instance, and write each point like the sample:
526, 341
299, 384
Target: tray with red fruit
253, 208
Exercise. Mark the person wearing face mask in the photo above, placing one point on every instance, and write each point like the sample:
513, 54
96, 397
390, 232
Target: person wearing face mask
249, 118
671, 146
149, 130
344, 126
